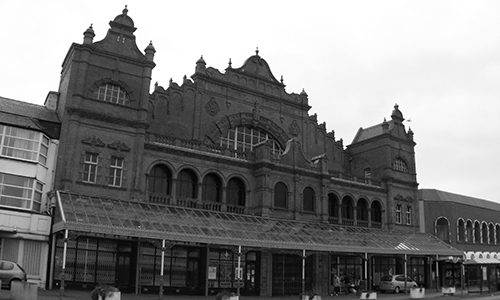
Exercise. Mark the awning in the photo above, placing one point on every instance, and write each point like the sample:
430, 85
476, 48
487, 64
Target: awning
482, 261
101, 215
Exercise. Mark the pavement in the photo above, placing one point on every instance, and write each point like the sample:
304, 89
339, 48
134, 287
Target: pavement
85, 295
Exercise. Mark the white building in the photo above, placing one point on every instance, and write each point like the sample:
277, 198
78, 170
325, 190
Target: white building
29, 140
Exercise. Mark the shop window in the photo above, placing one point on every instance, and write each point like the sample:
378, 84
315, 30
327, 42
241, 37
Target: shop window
280, 195
188, 185
236, 192
90, 165
212, 188
244, 138
112, 93
115, 171
23, 144
20, 192
308, 198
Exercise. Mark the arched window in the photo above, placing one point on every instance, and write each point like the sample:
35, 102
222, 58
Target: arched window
484, 233
308, 199
112, 93
470, 232
497, 234
280, 195
212, 188
333, 205
491, 234
477, 232
399, 165
236, 192
347, 208
443, 229
244, 138
376, 212
362, 210
159, 183
187, 184
461, 230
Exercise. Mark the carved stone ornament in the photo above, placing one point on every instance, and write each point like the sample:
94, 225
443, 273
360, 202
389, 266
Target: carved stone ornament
212, 108
119, 146
294, 128
402, 199
93, 141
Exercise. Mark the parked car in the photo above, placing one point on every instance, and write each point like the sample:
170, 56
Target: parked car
396, 283
10, 271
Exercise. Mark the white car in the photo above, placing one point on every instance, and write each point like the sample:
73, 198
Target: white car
396, 283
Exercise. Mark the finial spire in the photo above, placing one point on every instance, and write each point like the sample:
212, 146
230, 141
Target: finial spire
125, 10
257, 51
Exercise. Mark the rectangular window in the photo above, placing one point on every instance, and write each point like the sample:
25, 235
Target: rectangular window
398, 213
115, 171
20, 192
23, 144
90, 167
408, 215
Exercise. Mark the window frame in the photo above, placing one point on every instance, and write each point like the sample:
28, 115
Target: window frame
112, 93
398, 214
245, 138
36, 144
116, 171
90, 167
409, 215
31, 189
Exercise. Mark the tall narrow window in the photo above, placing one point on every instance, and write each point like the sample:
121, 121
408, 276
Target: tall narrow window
477, 232
115, 171
235, 192
409, 214
280, 195
398, 213
442, 230
461, 230
90, 164
212, 188
308, 199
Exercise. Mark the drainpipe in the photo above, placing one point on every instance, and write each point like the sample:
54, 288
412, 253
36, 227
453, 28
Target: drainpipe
160, 294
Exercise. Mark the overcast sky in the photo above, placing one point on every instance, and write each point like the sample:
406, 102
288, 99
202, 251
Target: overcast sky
438, 60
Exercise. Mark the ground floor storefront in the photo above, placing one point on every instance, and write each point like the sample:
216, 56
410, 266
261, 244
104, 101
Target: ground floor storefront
151, 248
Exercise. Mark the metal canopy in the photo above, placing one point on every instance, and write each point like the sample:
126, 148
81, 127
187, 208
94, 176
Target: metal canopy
100, 215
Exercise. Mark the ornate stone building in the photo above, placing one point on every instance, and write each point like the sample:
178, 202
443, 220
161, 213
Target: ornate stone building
224, 172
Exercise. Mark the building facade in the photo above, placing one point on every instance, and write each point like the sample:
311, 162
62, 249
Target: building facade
29, 139
222, 182
471, 225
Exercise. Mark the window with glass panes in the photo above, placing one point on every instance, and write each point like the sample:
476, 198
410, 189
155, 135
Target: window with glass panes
112, 93
115, 171
408, 215
398, 213
90, 165
24, 144
243, 138
20, 192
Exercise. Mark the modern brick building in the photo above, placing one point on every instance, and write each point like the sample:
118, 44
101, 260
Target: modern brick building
226, 171
471, 225
29, 140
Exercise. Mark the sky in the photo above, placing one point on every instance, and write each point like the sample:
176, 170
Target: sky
438, 60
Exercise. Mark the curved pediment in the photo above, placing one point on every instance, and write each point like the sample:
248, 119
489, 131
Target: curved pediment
256, 66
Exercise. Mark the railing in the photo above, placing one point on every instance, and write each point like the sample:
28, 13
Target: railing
235, 209
348, 177
333, 220
362, 223
348, 222
199, 146
376, 224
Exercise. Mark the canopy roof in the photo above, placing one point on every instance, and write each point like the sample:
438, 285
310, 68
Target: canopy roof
100, 215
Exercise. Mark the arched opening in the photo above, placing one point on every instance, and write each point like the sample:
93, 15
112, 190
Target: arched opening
469, 231
484, 233
347, 211
461, 230
362, 212
280, 195
159, 184
491, 234
308, 199
376, 214
212, 188
443, 229
187, 184
333, 207
477, 232
236, 192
